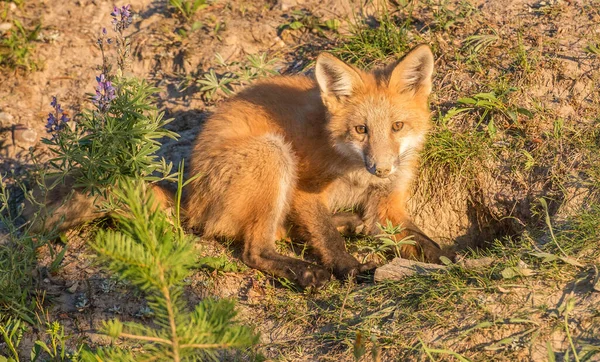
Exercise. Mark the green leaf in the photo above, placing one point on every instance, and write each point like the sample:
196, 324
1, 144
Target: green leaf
525, 112
547, 257
516, 271
466, 100
571, 261
296, 25
445, 260
332, 24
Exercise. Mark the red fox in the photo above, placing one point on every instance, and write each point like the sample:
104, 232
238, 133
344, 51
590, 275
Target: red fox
291, 150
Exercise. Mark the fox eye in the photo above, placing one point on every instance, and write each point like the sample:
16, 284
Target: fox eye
361, 129
397, 126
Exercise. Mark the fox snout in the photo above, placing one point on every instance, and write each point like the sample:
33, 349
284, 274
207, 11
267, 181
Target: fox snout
382, 170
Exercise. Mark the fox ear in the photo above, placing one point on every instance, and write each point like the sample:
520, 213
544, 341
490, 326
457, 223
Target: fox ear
413, 72
335, 77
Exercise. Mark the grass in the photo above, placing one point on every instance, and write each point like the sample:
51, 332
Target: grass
460, 304
369, 44
187, 8
17, 47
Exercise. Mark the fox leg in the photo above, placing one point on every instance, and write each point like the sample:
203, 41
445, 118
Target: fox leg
244, 191
348, 223
383, 207
314, 224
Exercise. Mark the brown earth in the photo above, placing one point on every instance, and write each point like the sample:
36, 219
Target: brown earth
565, 84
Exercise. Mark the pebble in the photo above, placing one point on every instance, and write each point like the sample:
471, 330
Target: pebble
5, 119
23, 134
73, 288
4, 27
286, 5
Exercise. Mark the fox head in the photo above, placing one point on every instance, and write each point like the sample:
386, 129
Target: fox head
382, 116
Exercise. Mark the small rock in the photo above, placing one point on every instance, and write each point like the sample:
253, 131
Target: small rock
286, 5
73, 288
25, 135
5, 119
4, 27
477, 263
400, 268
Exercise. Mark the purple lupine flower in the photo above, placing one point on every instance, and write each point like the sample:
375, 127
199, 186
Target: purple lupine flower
103, 38
121, 17
105, 93
51, 123
58, 119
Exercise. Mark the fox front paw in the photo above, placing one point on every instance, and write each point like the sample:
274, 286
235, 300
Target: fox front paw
313, 276
351, 271
426, 249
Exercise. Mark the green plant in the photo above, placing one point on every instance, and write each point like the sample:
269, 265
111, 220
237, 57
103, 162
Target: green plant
107, 145
56, 347
16, 46
367, 44
188, 8
118, 137
478, 43
231, 76
17, 258
446, 18
490, 104
387, 243
11, 331
150, 252
593, 48
305, 20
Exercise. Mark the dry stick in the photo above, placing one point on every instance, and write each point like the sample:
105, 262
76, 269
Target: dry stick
545, 206
345, 298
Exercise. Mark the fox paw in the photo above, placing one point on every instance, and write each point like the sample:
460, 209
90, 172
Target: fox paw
354, 270
313, 276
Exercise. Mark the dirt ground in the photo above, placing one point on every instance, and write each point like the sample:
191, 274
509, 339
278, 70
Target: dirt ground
553, 75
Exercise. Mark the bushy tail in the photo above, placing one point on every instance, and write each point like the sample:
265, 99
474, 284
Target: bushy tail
62, 206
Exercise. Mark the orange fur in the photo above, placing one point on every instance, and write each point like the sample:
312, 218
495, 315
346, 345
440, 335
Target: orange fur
287, 149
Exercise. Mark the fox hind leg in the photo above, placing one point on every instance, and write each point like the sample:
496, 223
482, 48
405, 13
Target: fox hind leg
261, 175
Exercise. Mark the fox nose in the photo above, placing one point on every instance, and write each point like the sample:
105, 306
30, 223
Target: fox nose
379, 171
382, 171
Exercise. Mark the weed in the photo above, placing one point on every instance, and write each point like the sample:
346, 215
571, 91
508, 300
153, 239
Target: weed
17, 258
230, 76
593, 48
431, 351
12, 331
386, 243
305, 20
370, 44
17, 46
478, 43
188, 8
490, 104
446, 18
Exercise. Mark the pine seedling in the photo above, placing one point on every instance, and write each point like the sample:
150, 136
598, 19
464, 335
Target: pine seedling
150, 252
